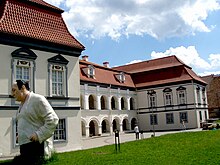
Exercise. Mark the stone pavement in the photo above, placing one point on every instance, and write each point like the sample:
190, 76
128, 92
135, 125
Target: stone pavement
98, 141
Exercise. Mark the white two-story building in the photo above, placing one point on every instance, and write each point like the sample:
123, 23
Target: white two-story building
158, 95
35, 45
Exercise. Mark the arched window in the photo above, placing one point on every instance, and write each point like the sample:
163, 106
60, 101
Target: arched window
103, 102
91, 102
113, 104
123, 103
132, 104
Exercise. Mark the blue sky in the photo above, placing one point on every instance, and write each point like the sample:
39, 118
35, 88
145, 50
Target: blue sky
128, 31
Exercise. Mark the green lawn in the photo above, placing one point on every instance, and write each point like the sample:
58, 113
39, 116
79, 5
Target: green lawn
187, 148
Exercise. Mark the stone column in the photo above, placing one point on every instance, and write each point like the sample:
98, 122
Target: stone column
86, 102
87, 131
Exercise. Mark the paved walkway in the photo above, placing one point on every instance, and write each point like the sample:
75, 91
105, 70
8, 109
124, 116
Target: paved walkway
99, 141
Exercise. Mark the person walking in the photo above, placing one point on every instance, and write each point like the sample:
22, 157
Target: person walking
136, 130
183, 124
36, 123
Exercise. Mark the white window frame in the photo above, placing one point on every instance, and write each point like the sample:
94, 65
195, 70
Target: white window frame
181, 97
20, 63
61, 127
198, 95
168, 98
62, 69
24, 58
152, 100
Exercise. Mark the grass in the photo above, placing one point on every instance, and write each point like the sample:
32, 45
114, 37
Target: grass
188, 148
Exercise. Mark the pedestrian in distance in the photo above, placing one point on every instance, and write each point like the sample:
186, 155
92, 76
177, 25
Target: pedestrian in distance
183, 124
36, 123
136, 130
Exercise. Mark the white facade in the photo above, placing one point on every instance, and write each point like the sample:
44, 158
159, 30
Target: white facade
168, 117
37, 68
106, 109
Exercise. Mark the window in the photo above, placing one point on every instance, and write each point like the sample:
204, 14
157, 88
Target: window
120, 77
200, 115
153, 119
152, 101
123, 102
169, 118
168, 99
181, 95
60, 132
183, 117
23, 66
91, 71
204, 96
152, 98
206, 116
198, 95
57, 76
113, 103
167, 96
23, 71
132, 104
57, 80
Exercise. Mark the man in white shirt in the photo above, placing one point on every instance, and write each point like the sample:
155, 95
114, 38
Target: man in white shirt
136, 130
36, 121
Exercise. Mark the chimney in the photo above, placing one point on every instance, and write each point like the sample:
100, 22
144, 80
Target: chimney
106, 64
85, 58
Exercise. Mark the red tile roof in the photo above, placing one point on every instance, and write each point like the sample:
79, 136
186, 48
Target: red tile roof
32, 20
156, 72
155, 64
104, 75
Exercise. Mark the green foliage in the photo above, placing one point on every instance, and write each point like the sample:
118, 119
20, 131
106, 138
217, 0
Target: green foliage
186, 148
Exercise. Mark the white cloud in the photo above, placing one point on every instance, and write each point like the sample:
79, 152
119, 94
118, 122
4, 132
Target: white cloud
55, 2
191, 57
157, 18
134, 61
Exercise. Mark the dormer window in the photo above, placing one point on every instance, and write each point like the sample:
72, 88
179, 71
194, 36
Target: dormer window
120, 77
89, 71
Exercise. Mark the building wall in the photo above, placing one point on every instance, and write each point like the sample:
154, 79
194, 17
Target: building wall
192, 108
98, 115
66, 108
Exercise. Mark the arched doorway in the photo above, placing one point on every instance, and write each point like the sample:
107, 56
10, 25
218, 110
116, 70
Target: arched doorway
125, 125
91, 128
104, 127
115, 125
133, 123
